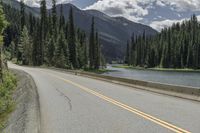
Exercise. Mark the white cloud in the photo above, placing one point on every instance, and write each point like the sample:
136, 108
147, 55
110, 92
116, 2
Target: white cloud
136, 10
36, 3
126, 8
183, 5
178, 5
159, 25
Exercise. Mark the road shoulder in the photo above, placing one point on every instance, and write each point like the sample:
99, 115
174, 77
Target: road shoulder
26, 116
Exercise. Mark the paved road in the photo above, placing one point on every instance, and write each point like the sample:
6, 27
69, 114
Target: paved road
75, 104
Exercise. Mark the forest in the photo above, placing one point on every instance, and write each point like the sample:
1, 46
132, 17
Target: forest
50, 40
175, 47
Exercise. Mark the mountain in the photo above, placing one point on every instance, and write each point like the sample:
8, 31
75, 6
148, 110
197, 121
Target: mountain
114, 31
16, 4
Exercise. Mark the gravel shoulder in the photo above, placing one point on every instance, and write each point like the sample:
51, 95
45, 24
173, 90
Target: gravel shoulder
26, 116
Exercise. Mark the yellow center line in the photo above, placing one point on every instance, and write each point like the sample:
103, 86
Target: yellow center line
126, 107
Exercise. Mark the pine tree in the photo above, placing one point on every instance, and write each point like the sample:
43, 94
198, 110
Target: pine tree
22, 14
22, 24
25, 47
174, 47
36, 45
50, 26
132, 51
97, 52
66, 30
61, 57
92, 45
127, 58
31, 24
12, 50
50, 50
72, 40
62, 19
81, 49
43, 31
54, 17
85, 47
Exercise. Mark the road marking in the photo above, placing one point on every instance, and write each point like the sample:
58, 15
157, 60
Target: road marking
126, 107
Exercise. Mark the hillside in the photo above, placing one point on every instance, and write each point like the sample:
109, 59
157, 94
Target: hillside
114, 32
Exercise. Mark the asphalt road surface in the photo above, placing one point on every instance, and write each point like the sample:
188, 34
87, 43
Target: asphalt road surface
76, 104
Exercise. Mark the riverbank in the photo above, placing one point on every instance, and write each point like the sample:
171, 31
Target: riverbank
158, 69
100, 71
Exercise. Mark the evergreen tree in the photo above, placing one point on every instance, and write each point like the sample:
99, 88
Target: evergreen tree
92, 45
85, 47
54, 17
72, 40
45, 35
81, 47
31, 24
61, 57
22, 24
24, 47
127, 58
36, 45
51, 50
12, 50
97, 52
22, 14
43, 31
62, 19
66, 30
174, 47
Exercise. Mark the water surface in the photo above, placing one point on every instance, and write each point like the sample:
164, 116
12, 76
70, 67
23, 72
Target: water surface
168, 77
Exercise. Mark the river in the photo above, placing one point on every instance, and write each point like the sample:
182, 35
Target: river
191, 79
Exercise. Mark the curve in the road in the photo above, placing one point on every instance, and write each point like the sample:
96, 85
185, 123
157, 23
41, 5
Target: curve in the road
126, 107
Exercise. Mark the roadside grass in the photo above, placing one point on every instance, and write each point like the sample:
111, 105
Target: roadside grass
175, 70
6, 100
130, 67
158, 69
99, 71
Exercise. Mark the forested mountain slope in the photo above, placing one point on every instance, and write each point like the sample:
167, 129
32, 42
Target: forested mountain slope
114, 32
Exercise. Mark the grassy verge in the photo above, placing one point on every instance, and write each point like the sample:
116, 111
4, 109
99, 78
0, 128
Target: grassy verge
130, 67
100, 71
158, 69
173, 69
6, 100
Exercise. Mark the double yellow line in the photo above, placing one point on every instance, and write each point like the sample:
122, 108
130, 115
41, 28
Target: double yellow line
126, 107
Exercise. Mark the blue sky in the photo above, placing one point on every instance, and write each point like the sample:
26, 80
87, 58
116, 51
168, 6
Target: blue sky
155, 13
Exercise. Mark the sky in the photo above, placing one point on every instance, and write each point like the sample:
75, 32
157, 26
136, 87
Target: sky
155, 13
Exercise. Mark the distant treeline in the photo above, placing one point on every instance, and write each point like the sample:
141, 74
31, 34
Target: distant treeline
50, 40
175, 47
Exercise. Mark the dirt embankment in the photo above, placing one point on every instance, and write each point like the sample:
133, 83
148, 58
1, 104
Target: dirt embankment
26, 116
